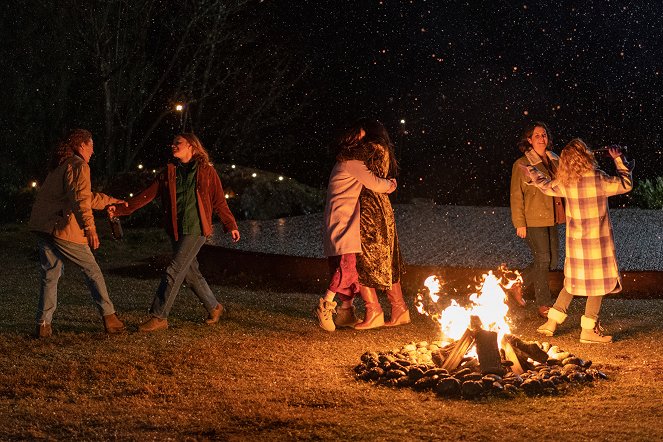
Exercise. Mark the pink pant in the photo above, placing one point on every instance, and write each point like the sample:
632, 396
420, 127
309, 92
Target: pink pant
343, 275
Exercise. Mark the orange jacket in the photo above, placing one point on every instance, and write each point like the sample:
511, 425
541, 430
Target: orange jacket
209, 194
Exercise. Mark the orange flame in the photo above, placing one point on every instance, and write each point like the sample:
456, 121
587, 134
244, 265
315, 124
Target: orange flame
488, 304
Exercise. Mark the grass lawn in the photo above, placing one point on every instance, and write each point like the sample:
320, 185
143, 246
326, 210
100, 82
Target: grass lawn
268, 372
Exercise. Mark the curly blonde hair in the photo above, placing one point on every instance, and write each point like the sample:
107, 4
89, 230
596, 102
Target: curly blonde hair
199, 152
575, 160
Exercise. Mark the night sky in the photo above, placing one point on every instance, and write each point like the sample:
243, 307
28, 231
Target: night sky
466, 77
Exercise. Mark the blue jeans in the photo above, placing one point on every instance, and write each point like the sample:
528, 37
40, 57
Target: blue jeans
544, 244
52, 252
183, 267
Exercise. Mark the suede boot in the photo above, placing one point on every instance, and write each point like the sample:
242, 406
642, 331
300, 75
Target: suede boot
43, 331
555, 317
324, 313
214, 315
113, 325
346, 317
374, 315
400, 315
153, 324
592, 332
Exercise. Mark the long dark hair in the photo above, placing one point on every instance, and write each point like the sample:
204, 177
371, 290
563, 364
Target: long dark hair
352, 144
66, 147
524, 145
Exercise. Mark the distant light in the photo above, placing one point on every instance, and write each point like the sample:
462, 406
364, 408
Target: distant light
179, 107
525, 112
154, 171
140, 167
131, 195
227, 196
280, 178
232, 167
33, 184
254, 174
402, 121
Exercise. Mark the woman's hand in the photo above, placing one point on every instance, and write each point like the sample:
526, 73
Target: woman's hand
521, 232
110, 210
235, 235
394, 184
615, 151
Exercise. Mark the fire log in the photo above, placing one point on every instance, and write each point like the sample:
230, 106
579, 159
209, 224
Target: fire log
510, 355
488, 352
460, 348
529, 349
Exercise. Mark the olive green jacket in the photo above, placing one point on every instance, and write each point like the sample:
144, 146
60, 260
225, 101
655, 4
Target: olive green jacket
529, 206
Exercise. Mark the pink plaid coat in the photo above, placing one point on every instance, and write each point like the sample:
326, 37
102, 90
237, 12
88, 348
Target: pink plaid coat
590, 267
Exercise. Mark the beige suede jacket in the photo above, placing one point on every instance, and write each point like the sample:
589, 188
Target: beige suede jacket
64, 203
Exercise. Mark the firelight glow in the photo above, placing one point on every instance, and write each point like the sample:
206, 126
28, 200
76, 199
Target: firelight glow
488, 304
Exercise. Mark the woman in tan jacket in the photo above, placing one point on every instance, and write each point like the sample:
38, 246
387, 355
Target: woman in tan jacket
63, 221
536, 216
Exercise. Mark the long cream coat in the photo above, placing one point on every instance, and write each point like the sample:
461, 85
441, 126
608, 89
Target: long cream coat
341, 230
590, 268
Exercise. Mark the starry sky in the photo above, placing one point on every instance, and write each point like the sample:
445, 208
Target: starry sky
455, 82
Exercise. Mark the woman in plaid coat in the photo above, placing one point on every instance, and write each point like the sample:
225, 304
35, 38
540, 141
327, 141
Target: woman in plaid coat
590, 268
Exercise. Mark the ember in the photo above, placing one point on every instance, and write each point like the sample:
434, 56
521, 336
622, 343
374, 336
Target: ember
477, 355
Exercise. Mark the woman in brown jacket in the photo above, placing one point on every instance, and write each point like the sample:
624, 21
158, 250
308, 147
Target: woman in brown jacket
190, 190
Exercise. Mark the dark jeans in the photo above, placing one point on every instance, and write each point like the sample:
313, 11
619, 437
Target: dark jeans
544, 244
183, 267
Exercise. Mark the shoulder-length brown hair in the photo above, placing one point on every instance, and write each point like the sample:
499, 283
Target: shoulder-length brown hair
575, 160
66, 147
524, 145
199, 152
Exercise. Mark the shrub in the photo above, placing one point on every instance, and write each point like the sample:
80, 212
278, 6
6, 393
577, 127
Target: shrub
649, 193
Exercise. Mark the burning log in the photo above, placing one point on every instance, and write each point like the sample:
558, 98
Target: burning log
460, 348
488, 352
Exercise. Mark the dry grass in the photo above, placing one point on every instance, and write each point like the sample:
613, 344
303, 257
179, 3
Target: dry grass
267, 372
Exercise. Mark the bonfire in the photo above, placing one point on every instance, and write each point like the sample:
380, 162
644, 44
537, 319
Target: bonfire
476, 354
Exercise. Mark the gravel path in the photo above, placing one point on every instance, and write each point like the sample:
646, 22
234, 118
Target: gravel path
456, 236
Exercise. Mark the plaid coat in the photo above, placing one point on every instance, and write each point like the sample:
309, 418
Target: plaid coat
590, 268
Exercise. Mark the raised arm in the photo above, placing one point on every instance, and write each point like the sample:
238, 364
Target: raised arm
361, 173
623, 182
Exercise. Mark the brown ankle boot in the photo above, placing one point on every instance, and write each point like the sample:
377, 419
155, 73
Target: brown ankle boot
113, 325
214, 315
43, 331
400, 315
374, 315
153, 324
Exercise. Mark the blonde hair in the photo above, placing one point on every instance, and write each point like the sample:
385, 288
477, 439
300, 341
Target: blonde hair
575, 160
199, 152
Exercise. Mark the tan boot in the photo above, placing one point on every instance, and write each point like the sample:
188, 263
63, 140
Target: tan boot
43, 331
113, 325
324, 313
346, 317
555, 317
214, 315
400, 315
592, 332
374, 315
153, 324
